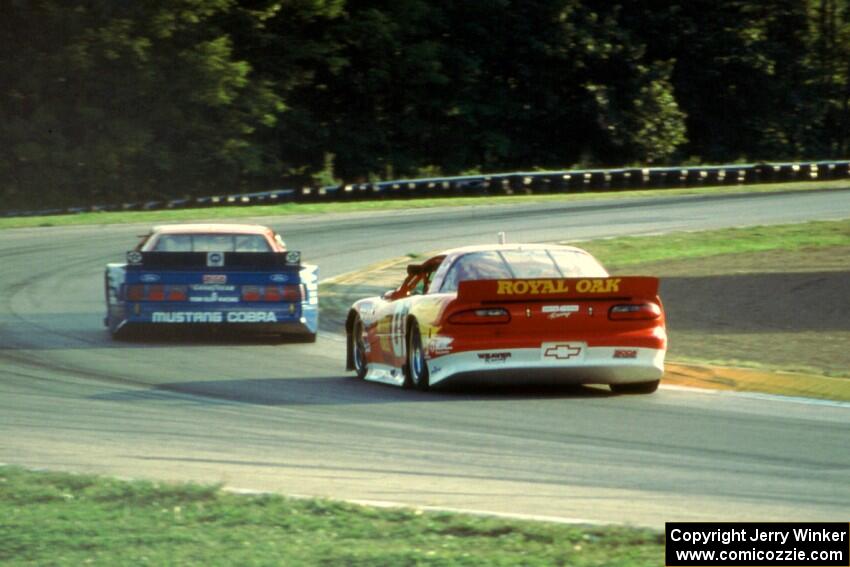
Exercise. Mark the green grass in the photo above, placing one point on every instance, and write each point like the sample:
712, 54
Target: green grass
63, 519
241, 212
629, 251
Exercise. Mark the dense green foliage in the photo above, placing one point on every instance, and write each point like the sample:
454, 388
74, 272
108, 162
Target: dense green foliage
108, 101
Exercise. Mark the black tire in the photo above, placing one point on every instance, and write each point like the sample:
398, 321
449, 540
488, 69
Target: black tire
358, 349
636, 388
417, 368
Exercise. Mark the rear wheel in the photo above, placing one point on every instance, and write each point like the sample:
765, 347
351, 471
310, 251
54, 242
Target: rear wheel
636, 388
358, 349
417, 368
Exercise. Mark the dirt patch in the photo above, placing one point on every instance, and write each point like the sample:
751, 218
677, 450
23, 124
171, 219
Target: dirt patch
788, 310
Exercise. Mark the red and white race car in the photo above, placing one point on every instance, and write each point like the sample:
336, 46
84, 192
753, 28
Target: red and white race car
508, 313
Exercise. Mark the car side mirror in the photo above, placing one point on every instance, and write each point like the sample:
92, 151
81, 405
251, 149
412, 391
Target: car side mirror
388, 294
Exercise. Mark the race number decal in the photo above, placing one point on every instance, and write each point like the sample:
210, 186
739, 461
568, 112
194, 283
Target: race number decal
397, 329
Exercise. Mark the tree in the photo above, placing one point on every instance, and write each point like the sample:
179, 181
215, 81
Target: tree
106, 101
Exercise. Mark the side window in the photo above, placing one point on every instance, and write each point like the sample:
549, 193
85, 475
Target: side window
475, 266
420, 286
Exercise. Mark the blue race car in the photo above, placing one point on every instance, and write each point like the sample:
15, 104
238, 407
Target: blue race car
231, 275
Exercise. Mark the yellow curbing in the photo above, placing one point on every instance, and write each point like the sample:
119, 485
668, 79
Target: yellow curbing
360, 276
345, 289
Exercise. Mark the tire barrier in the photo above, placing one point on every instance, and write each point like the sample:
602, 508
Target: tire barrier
520, 183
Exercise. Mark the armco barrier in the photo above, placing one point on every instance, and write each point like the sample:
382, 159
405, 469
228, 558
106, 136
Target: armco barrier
519, 183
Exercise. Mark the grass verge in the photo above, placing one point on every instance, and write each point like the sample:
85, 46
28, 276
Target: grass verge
241, 212
624, 252
67, 519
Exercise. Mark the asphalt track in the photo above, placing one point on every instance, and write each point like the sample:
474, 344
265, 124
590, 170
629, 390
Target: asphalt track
258, 415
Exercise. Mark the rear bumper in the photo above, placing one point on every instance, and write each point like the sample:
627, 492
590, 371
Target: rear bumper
292, 319
562, 363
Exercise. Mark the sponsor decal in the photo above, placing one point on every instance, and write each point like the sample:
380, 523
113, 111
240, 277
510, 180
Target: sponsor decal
293, 257
148, 278
440, 345
214, 298
490, 357
549, 287
559, 311
186, 317
134, 257
213, 317
279, 278
215, 278
251, 317
625, 353
212, 287
215, 259
562, 351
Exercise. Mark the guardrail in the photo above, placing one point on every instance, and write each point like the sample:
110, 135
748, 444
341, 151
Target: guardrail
570, 181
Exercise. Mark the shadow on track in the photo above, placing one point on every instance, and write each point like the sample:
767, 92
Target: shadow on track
342, 390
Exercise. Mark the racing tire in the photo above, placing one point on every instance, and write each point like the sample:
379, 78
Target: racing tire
417, 367
636, 388
358, 349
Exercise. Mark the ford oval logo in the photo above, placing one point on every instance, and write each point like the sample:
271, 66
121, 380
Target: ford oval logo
278, 277
149, 278
215, 259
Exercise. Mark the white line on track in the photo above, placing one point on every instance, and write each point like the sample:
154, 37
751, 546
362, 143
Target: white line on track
759, 396
415, 508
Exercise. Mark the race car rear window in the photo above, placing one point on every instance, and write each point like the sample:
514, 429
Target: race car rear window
531, 264
212, 243
520, 264
475, 266
577, 264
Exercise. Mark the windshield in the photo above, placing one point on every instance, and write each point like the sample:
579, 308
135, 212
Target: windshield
520, 264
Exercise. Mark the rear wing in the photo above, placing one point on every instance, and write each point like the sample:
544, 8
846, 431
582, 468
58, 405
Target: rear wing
219, 261
546, 289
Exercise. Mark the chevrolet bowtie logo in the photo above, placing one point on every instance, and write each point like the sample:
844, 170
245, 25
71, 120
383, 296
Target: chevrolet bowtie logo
562, 352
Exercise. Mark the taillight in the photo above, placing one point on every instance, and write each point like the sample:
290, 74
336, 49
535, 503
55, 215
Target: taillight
272, 293
252, 292
155, 293
175, 292
141, 292
634, 311
135, 292
480, 316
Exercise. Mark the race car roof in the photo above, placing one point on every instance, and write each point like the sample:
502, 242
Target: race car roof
500, 247
211, 228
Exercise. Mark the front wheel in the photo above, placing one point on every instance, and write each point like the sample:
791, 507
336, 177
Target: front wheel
635, 388
417, 368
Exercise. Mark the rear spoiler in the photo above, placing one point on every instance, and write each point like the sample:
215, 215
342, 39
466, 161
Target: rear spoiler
545, 289
216, 260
